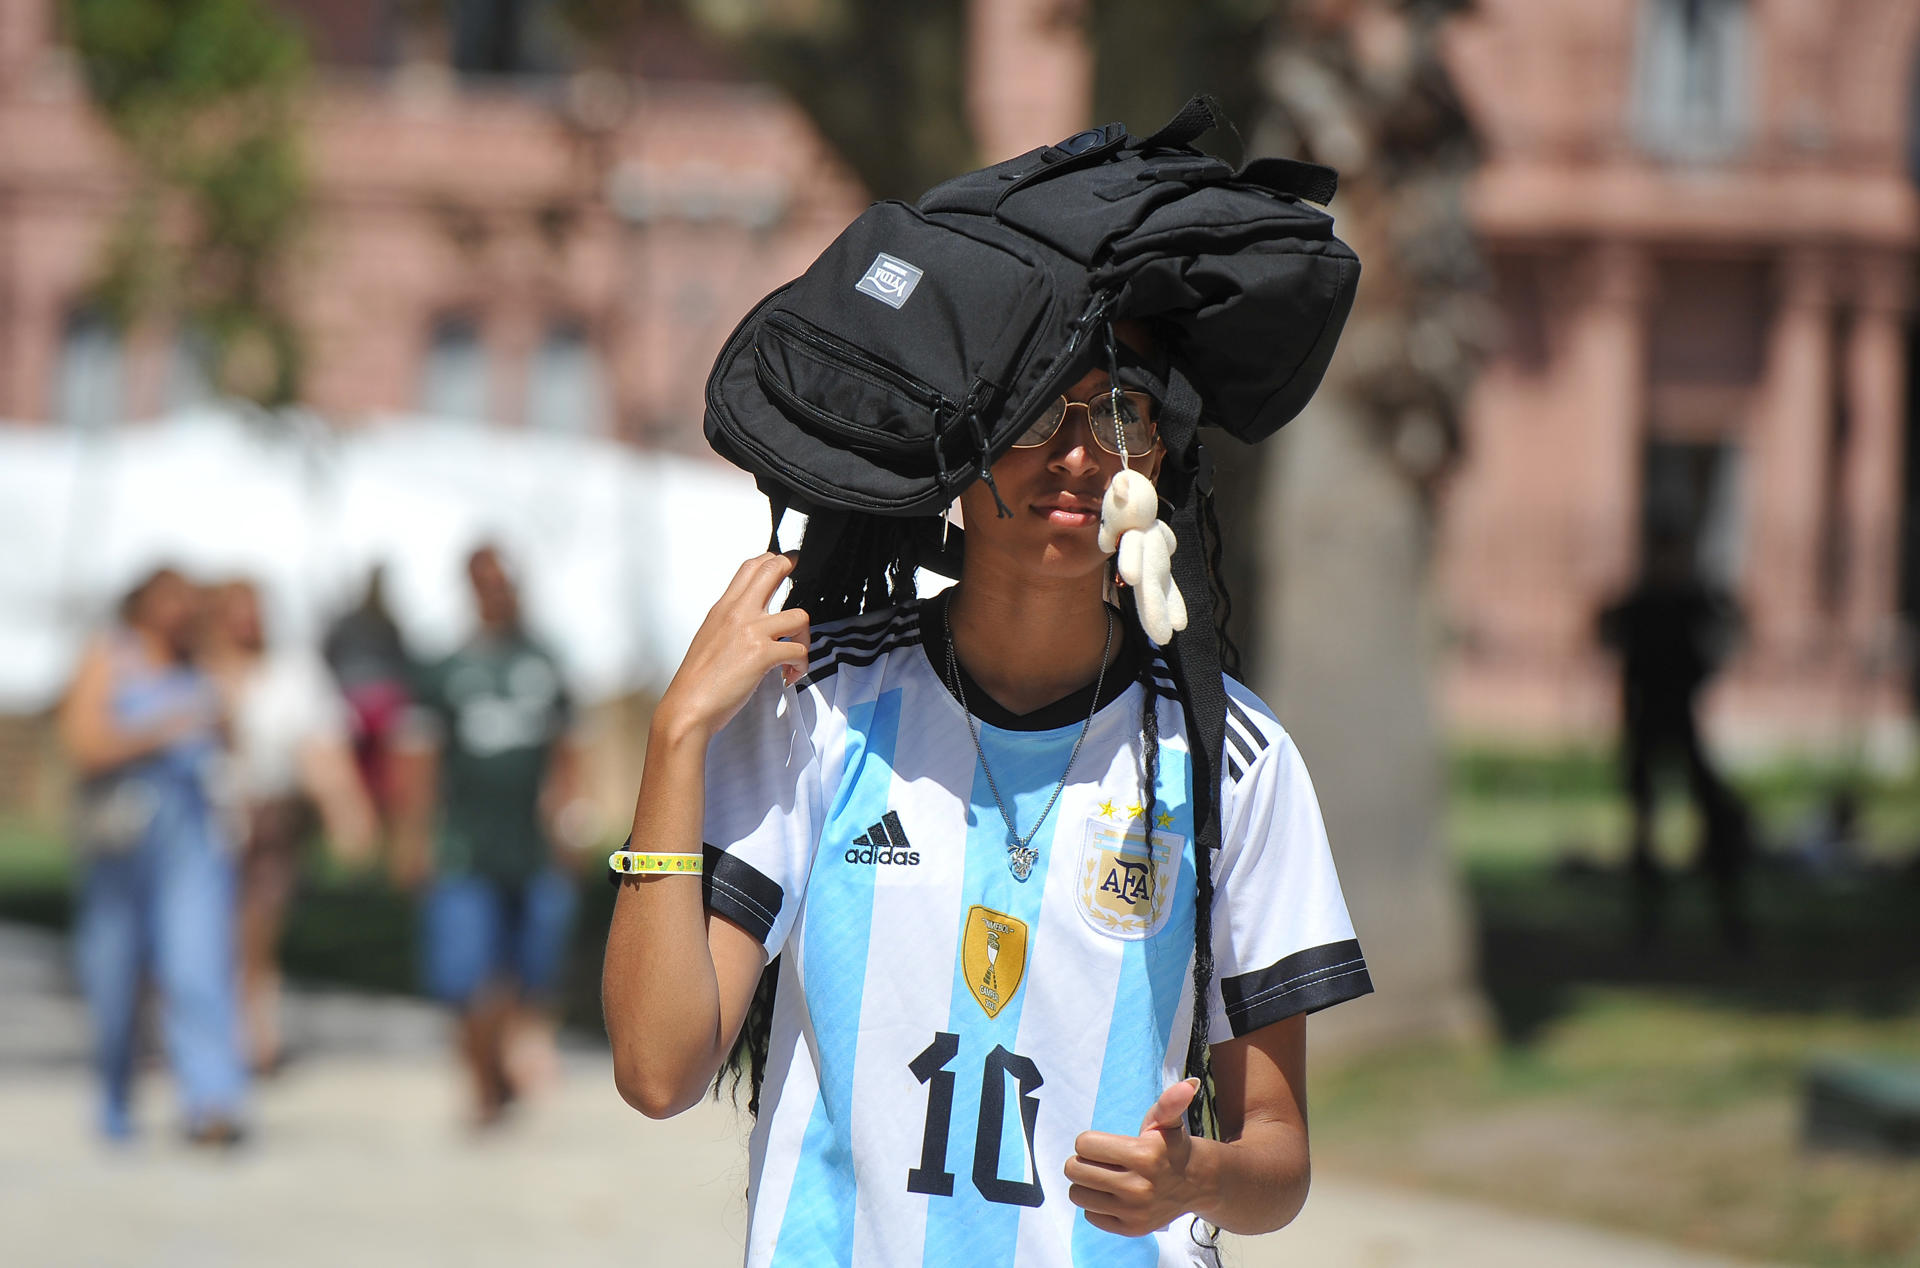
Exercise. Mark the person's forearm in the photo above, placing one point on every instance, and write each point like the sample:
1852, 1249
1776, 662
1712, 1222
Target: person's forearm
98, 749
1254, 1184
659, 991
327, 772
416, 775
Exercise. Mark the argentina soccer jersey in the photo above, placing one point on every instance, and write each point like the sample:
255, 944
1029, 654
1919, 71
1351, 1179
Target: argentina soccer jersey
922, 1116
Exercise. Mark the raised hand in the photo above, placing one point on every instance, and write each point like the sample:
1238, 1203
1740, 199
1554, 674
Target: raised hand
736, 647
1134, 1185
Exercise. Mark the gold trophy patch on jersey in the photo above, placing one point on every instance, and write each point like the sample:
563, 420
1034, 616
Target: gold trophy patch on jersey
1126, 882
993, 956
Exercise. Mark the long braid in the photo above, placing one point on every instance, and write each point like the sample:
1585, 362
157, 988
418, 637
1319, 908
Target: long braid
1217, 583
1201, 1118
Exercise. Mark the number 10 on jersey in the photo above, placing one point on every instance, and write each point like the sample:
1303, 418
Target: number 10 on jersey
931, 1176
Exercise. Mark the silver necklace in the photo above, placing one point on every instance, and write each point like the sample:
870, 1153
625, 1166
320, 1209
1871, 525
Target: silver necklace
1021, 855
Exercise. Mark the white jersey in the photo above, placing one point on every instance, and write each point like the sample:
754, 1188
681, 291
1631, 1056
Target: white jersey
943, 1030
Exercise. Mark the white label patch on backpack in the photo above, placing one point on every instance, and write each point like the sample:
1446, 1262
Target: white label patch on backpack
889, 279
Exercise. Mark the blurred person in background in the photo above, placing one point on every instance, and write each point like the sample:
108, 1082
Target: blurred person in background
486, 783
143, 726
369, 660
1673, 631
290, 758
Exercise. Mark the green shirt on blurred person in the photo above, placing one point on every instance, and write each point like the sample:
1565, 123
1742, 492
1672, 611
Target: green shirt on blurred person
499, 707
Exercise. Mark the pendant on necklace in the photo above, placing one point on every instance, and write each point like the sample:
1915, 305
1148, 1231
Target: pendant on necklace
1020, 858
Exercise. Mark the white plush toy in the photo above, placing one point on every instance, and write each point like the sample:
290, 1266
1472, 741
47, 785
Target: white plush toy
1130, 520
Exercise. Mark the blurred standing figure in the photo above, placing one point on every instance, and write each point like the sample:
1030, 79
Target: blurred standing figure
143, 726
1672, 632
290, 757
489, 732
369, 661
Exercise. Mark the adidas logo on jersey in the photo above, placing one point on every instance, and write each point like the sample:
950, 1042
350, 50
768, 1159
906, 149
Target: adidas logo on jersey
884, 842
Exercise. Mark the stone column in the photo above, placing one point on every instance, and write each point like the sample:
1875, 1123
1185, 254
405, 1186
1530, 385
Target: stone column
1789, 455
1603, 432
1029, 74
1870, 476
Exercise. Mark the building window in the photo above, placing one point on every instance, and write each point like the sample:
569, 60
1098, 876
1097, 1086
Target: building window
507, 37
89, 385
1693, 497
1693, 79
566, 388
454, 381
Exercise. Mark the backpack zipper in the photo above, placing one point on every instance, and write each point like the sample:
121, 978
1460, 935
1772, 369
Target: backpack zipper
849, 431
919, 392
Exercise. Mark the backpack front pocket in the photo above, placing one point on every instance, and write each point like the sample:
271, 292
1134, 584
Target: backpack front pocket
844, 393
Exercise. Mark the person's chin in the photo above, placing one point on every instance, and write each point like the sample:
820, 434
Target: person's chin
1072, 553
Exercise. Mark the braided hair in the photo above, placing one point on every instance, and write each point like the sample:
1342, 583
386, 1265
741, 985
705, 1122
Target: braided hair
852, 564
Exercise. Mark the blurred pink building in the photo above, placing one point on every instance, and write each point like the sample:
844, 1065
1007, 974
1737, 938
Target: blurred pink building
1702, 228
491, 238
1698, 213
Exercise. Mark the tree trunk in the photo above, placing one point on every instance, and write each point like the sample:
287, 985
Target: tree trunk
1345, 644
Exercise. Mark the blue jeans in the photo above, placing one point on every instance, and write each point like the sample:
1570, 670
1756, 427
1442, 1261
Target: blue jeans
479, 930
164, 908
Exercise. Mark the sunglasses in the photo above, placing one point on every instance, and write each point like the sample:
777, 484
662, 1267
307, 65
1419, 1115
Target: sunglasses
1134, 423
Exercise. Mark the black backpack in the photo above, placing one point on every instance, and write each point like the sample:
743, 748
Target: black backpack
895, 370
906, 360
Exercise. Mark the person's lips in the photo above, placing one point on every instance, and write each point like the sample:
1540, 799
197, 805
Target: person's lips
1069, 511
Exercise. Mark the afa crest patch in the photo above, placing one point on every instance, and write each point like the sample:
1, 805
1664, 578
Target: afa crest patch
1126, 881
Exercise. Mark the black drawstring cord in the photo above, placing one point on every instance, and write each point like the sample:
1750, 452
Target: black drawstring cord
986, 471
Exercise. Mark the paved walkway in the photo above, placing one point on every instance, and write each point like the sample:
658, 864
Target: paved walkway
361, 1158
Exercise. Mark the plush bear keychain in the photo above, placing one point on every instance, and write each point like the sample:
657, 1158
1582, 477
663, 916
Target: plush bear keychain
1130, 520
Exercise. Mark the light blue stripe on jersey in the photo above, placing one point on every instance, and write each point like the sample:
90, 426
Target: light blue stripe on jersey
817, 1226
966, 1230
1153, 971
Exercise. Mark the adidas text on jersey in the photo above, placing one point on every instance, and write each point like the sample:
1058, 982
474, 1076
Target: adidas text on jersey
884, 842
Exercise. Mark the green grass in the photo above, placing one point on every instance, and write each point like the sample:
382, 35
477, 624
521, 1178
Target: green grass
1655, 1087
1539, 807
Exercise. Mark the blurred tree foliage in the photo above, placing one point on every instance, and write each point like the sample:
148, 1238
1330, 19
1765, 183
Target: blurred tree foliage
203, 95
884, 81
1363, 86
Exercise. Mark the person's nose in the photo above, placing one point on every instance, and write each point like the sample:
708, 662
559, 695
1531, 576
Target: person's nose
1074, 452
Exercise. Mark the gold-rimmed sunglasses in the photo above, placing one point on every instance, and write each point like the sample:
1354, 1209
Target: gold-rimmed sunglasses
1134, 423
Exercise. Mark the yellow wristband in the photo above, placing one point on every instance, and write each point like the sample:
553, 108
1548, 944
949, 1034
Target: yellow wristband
633, 861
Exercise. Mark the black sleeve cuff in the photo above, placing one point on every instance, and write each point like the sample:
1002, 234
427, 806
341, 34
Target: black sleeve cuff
734, 888
1304, 982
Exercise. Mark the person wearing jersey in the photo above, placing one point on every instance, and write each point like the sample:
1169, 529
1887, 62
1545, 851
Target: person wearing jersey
961, 830
487, 767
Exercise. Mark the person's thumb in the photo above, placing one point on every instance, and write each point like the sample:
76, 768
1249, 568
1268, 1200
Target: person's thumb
1170, 1111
